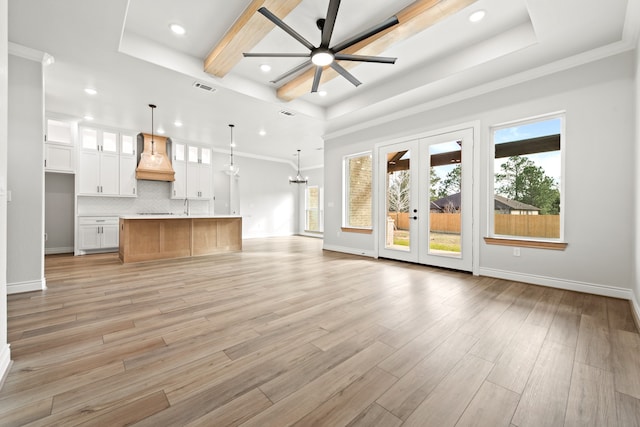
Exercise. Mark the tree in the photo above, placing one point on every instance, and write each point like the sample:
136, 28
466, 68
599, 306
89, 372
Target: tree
521, 180
452, 183
434, 181
398, 196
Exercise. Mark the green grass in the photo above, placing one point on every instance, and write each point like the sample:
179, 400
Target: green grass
444, 247
439, 241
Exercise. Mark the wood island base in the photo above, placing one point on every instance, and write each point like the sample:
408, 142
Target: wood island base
145, 238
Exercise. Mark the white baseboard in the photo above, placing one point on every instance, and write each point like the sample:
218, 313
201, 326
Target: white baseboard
635, 310
349, 250
5, 362
571, 285
20, 287
61, 250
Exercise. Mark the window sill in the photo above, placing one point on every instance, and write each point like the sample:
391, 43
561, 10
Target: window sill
538, 244
356, 230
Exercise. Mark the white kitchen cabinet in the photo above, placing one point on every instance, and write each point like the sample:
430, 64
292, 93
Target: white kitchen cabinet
59, 158
99, 168
179, 186
97, 233
59, 149
128, 163
199, 176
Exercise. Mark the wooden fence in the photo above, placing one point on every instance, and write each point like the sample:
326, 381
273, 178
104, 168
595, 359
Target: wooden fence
546, 226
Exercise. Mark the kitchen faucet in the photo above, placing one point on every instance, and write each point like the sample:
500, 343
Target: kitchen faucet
187, 211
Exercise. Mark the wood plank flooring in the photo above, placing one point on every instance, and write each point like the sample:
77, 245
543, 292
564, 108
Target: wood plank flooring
284, 334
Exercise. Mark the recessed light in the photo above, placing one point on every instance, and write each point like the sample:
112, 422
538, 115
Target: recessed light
262, 133
177, 29
477, 16
90, 91
160, 131
265, 68
177, 123
322, 93
88, 117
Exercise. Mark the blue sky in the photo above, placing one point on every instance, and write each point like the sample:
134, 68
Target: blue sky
549, 161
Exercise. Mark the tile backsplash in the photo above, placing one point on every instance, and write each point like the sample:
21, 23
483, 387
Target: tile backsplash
153, 197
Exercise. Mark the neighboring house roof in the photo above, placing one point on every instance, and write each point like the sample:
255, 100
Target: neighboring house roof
450, 200
513, 205
501, 203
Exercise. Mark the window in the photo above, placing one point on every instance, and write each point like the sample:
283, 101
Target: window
527, 173
313, 209
357, 190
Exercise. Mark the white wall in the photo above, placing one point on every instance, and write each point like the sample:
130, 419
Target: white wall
267, 200
334, 239
599, 103
59, 203
25, 211
5, 353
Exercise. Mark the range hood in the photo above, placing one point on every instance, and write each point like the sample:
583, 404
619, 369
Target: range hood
154, 162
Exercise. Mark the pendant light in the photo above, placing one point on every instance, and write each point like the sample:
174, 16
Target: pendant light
231, 169
298, 179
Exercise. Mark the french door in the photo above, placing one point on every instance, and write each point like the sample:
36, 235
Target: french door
425, 200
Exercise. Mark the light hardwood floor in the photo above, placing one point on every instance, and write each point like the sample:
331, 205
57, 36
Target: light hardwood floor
283, 334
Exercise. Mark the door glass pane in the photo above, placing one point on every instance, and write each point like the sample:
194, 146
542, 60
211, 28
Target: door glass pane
127, 144
89, 138
445, 193
109, 142
398, 201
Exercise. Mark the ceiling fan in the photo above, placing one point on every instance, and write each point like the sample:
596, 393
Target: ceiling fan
326, 55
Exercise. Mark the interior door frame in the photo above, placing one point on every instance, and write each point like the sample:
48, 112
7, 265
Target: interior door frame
475, 186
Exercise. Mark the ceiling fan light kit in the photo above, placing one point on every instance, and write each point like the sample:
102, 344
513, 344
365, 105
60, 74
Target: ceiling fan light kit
325, 55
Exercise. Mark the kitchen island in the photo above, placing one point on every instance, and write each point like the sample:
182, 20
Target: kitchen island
151, 237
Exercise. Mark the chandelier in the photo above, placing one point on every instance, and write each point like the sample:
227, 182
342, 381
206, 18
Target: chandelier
298, 179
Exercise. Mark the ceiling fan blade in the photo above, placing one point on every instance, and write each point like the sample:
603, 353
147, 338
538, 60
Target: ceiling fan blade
366, 34
292, 71
280, 23
344, 73
316, 79
330, 21
276, 55
365, 58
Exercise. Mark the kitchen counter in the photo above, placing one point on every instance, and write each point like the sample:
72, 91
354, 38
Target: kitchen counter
173, 216
162, 236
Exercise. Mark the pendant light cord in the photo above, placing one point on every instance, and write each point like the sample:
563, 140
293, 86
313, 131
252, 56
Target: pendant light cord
152, 141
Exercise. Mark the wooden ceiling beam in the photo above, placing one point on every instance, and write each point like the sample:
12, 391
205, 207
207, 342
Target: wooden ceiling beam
244, 34
415, 18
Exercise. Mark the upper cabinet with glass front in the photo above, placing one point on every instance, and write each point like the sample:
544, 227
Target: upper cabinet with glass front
99, 168
59, 146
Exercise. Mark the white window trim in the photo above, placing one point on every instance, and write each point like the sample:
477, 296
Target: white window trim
345, 192
491, 178
319, 209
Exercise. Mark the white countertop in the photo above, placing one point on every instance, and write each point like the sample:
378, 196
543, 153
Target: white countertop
172, 216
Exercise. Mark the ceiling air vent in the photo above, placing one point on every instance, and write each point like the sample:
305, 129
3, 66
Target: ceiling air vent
287, 113
204, 86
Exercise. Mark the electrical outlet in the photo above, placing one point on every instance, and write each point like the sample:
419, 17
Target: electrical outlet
516, 251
